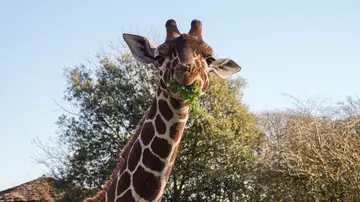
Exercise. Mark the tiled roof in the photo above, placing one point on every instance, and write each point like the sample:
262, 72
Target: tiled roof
37, 190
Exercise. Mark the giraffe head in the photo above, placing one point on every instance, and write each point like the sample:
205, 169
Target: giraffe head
185, 58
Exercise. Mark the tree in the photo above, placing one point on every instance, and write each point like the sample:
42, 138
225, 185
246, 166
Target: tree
311, 154
110, 101
217, 150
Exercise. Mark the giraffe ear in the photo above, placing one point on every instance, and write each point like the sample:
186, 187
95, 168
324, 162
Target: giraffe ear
140, 48
224, 68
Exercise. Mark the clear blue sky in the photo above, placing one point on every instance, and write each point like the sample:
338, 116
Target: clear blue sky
304, 48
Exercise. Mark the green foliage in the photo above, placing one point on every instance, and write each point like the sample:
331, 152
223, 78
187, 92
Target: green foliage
190, 92
109, 100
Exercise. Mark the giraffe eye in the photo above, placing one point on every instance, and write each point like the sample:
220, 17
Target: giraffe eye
210, 60
159, 60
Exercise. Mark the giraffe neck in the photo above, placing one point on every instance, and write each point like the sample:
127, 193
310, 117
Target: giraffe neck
147, 167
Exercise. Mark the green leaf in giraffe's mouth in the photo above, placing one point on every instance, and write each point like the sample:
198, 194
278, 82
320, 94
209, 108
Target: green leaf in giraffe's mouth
190, 92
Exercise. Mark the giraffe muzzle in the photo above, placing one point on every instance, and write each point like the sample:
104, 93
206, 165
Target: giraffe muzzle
184, 75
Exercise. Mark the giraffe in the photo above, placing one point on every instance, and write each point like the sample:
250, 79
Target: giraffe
147, 160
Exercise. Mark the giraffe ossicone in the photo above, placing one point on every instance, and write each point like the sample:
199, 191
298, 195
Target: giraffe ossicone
146, 161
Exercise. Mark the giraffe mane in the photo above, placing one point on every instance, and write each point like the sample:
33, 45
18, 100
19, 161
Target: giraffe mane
123, 156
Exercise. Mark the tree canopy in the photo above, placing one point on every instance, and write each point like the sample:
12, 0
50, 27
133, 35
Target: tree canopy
311, 153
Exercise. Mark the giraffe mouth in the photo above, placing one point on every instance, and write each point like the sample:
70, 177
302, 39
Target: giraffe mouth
186, 79
186, 92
